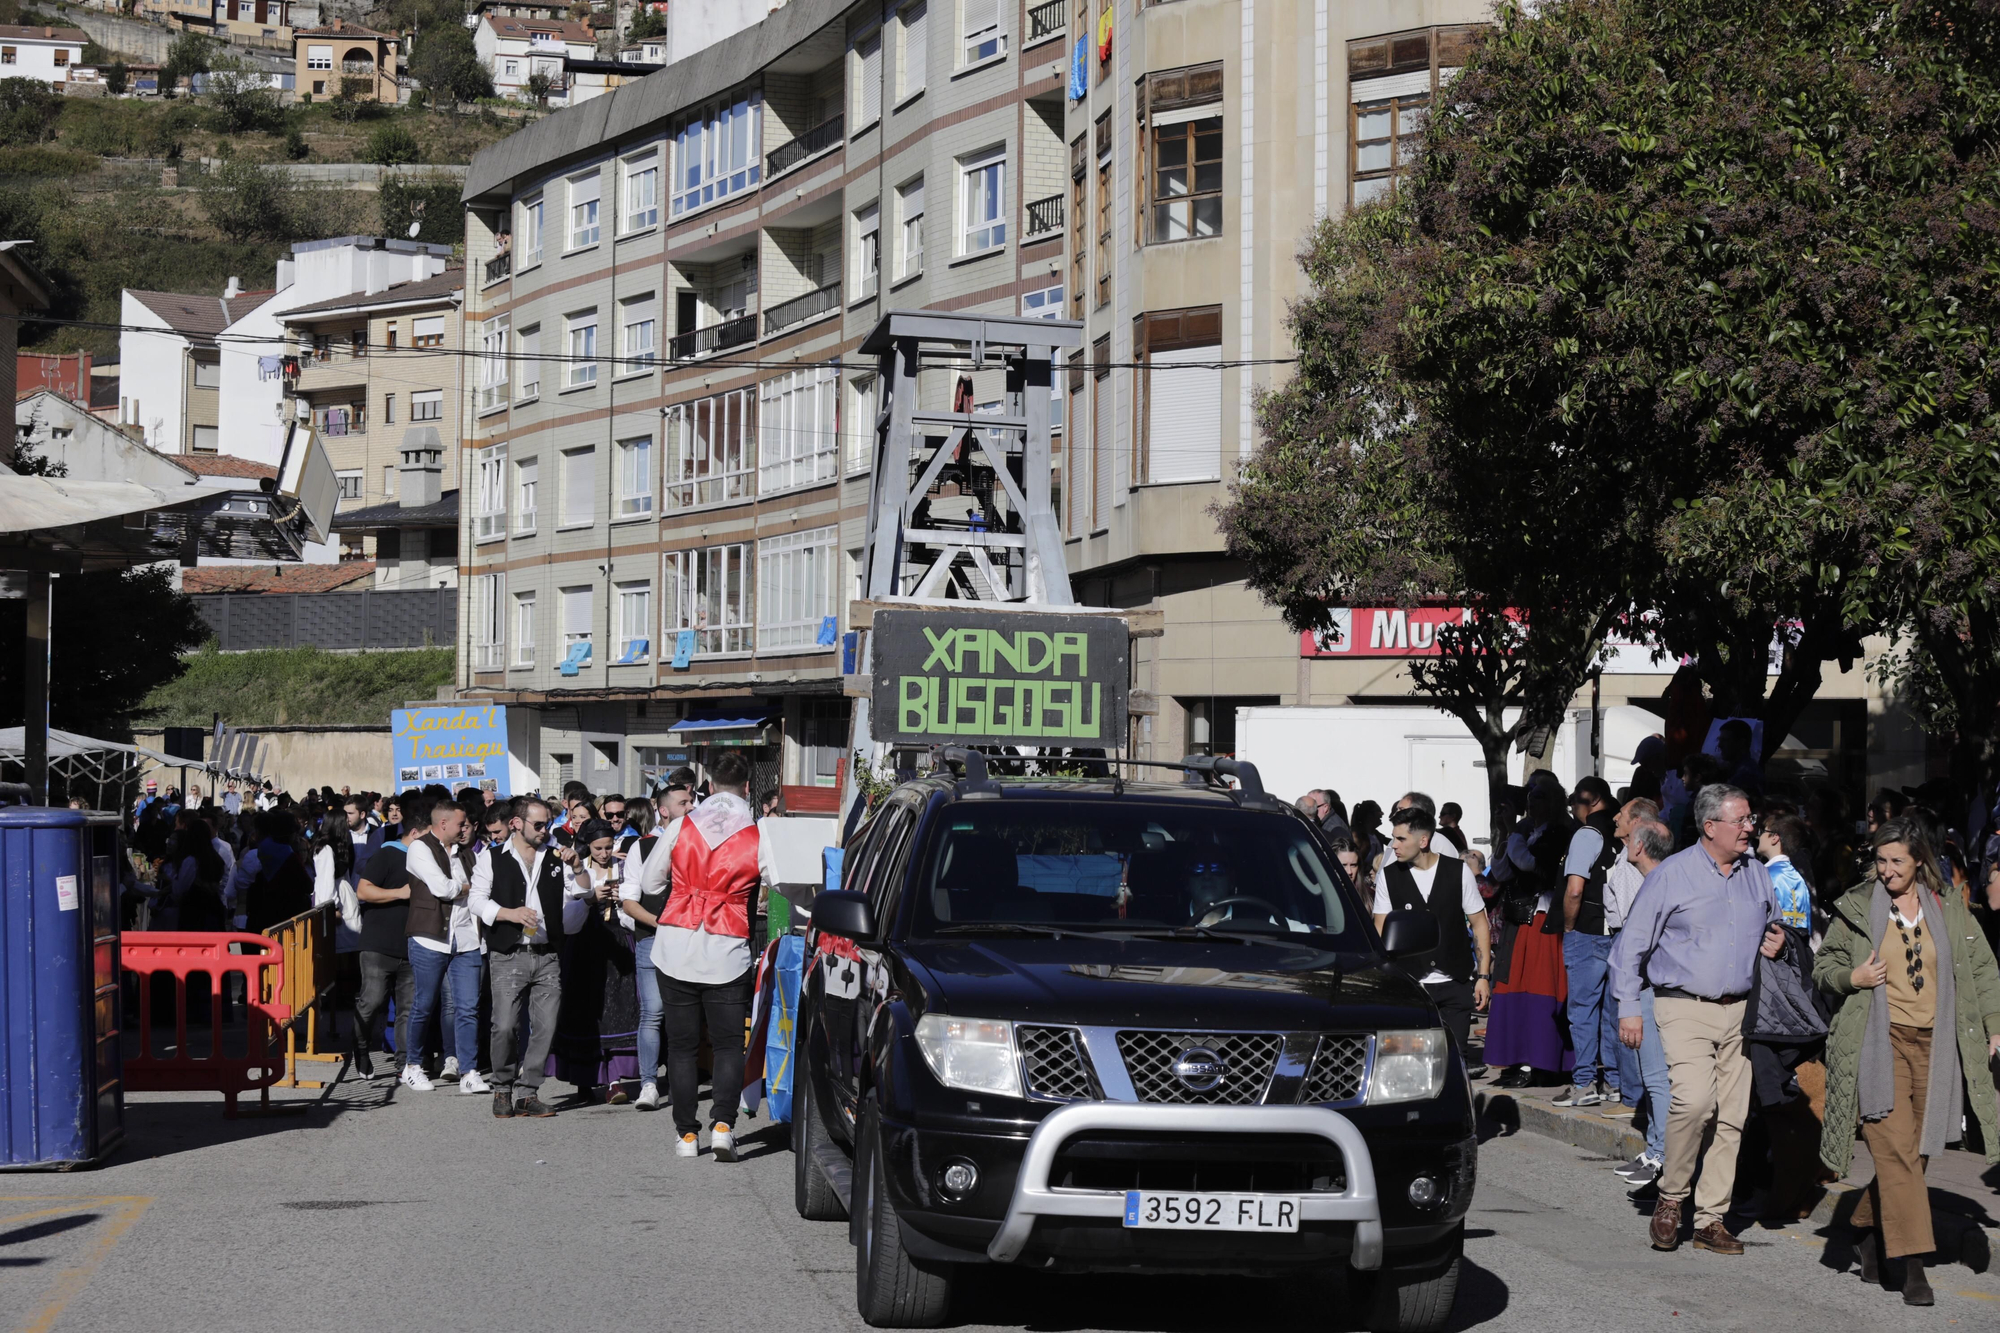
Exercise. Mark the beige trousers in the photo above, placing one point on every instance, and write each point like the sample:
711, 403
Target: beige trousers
1710, 1076
1897, 1200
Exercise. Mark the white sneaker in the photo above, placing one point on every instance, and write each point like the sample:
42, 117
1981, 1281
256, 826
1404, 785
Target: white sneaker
449, 1074
472, 1082
649, 1098
686, 1146
416, 1080
722, 1143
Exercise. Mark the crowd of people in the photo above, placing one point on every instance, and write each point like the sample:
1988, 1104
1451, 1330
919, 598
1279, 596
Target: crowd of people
1748, 976
492, 943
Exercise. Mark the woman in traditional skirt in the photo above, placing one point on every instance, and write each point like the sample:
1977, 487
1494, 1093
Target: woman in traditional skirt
596, 1045
1527, 1034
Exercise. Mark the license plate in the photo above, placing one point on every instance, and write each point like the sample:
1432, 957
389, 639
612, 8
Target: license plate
1158, 1210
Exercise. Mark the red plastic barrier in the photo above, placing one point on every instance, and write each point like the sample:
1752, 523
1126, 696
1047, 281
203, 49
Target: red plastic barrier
261, 964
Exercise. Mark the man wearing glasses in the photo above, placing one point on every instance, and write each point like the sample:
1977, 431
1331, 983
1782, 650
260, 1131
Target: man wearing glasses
1693, 935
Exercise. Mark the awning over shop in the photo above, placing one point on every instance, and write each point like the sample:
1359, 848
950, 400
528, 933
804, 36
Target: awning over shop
714, 725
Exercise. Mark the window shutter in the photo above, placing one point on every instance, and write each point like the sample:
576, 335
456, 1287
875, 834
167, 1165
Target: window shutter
916, 47
1183, 417
870, 50
1102, 443
981, 15
583, 190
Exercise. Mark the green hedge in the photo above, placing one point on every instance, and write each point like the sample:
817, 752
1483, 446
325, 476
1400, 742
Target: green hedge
299, 686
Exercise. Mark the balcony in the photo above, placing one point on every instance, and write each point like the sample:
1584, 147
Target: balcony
358, 68
827, 134
738, 332
802, 309
1045, 20
499, 266
1045, 217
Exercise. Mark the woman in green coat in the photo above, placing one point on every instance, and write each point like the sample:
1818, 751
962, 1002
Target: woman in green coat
1921, 1009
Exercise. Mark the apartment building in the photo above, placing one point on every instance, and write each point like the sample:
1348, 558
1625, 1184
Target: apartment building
346, 55
671, 422
516, 49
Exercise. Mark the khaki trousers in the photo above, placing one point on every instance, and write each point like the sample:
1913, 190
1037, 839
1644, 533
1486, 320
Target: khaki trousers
1897, 1199
1710, 1076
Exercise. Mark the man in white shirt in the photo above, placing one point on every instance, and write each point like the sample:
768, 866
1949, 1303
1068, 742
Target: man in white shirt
519, 894
1420, 879
232, 800
445, 949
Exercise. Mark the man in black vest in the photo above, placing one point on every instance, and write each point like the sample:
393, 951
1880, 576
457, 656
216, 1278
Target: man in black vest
1587, 939
1421, 880
518, 894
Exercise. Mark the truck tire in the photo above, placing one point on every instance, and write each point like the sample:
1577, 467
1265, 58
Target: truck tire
1414, 1300
891, 1290
812, 1193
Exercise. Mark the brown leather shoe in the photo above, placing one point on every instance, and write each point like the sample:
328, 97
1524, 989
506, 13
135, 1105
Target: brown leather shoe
1716, 1238
1665, 1233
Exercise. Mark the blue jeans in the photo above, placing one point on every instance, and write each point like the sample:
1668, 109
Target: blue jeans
434, 971
651, 1012
1593, 1019
1653, 1074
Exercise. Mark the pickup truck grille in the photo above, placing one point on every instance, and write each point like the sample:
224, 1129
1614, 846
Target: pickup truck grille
1248, 1059
1055, 1063
1337, 1071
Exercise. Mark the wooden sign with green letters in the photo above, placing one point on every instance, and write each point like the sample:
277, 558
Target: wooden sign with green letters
999, 678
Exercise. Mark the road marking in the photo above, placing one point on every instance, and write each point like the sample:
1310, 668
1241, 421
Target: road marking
1977, 1295
127, 1209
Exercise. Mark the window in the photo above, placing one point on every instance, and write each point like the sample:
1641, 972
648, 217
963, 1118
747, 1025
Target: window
916, 50
642, 191
717, 152
1044, 304
528, 232
427, 331
910, 224
1104, 210
858, 435
207, 439
1186, 180
524, 629
1079, 210
9, 56
1103, 435
527, 476
635, 476
797, 445
427, 405
708, 591
583, 348
983, 194
388, 409
1391, 82
710, 451
576, 617
867, 251
208, 374
635, 621
795, 587
640, 318
529, 348
350, 485
492, 377
61, 57
317, 57
583, 200
490, 493
388, 481
488, 596
579, 495
389, 335
983, 38
1182, 436
867, 80
513, 69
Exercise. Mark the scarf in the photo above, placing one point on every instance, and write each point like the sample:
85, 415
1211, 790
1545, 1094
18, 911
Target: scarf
1943, 1107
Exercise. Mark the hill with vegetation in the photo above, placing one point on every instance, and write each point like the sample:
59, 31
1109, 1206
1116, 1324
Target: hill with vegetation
297, 687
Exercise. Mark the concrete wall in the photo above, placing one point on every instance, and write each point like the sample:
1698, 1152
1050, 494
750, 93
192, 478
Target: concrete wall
152, 375
298, 758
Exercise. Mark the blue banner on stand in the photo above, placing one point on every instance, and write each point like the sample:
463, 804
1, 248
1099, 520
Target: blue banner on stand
458, 747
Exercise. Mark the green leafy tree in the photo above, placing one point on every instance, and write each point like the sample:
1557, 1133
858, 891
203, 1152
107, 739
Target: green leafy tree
392, 145
538, 86
445, 61
188, 56
115, 77
431, 201
248, 202
647, 23
240, 98
29, 110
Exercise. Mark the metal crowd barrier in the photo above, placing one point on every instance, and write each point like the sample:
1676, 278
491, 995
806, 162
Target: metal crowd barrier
178, 954
306, 942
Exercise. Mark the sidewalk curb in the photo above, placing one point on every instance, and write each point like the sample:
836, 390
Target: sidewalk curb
1961, 1238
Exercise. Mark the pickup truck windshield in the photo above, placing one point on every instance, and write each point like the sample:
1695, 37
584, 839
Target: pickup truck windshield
1098, 865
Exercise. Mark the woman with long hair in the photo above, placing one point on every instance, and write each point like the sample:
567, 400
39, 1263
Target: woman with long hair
1919, 1021
597, 1028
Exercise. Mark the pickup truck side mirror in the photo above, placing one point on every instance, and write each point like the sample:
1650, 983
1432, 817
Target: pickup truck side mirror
1403, 934
849, 914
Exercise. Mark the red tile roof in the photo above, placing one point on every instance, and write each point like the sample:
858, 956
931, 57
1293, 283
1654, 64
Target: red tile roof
14, 32
276, 578
567, 29
199, 317
225, 465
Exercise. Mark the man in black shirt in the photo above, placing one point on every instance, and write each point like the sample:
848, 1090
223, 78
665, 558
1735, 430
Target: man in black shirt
384, 890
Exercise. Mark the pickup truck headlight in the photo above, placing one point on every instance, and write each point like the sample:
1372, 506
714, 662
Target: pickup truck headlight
975, 1054
1409, 1066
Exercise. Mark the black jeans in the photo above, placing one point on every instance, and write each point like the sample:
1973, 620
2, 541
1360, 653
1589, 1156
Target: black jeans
725, 1005
378, 970
1454, 1002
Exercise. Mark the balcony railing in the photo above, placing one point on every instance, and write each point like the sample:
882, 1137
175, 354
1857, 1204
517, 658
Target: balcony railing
1045, 215
815, 140
802, 308
361, 68
1046, 20
499, 266
721, 337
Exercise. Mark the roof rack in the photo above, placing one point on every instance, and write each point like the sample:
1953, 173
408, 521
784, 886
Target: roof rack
1203, 769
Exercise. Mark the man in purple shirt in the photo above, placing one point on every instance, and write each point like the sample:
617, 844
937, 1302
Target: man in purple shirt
1693, 935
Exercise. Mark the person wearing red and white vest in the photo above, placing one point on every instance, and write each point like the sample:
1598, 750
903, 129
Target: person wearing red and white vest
712, 862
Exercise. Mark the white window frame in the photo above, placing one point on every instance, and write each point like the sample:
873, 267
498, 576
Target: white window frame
867, 251
717, 153
528, 231
638, 334
208, 374
492, 383
711, 450
1046, 303
982, 28
528, 346
634, 620
910, 229
795, 589
913, 30
489, 494
488, 597
982, 176
568, 599
527, 483
524, 629
427, 331
586, 211
857, 428
635, 477
797, 442
388, 409
350, 485
708, 590
319, 57
580, 338
642, 191
575, 494
427, 405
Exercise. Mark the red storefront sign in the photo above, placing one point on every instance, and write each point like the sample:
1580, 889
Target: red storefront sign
1380, 631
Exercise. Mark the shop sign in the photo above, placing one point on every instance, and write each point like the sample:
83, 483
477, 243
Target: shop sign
1380, 631
455, 746
999, 678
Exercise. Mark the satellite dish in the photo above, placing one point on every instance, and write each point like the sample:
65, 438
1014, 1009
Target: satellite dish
415, 227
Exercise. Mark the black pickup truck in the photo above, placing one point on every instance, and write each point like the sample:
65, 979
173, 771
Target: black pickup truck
1105, 1025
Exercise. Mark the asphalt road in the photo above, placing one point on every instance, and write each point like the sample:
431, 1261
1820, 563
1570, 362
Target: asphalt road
376, 1208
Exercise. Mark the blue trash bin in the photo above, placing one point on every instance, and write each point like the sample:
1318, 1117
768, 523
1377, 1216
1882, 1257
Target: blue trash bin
62, 1096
